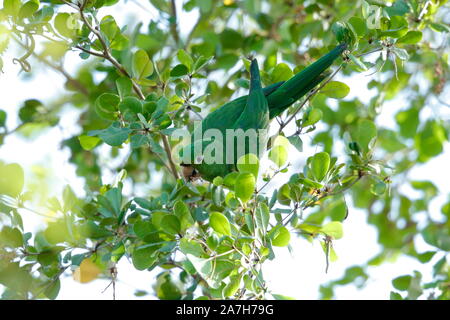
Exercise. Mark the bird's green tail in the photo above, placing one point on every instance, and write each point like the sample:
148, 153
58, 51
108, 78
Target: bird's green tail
255, 78
300, 84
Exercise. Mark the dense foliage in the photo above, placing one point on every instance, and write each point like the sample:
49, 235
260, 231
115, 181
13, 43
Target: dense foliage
210, 240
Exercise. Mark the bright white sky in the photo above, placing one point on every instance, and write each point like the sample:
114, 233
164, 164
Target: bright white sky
298, 274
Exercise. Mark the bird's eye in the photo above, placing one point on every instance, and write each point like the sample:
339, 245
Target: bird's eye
199, 159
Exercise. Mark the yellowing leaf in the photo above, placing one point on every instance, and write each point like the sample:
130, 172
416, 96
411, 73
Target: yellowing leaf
278, 154
88, 142
333, 229
11, 179
282, 238
86, 272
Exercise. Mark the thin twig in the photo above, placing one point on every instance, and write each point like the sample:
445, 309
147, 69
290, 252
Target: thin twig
308, 97
168, 151
94, 53
369, 52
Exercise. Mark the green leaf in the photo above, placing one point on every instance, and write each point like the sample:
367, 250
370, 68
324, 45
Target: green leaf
439, 27
402, 283
185, 59
319, 164
114, 198
205, 5
395, 27
398, 8
282, 237
142, 65
281, 297
408, 120
111, 30
335, 89
297, 142
281, 72
359, 25
395, 296
143, 228
12, 7
52, 290
138, 140
231, 39
218, 181
429, 141
11, 237
333, 229
61, 24
205, 269
248, 163
230, 179
243, 83
88, 142
357, 61
28, 9
402, 54
114, 135
232, 287
364, 132
378, 188
220, 223
124, 86
166, 289
130, 107
11, 179
412, 37
161, 5
262, 217
245, 186
191, 247
181, 210
311, 117
143, 258
171, 224
179, 71
69, 199
106, 105
3, 116
279, 155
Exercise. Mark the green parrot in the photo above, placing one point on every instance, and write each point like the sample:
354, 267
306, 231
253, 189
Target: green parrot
253, 111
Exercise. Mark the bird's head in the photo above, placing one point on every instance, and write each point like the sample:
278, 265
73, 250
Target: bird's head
189, 172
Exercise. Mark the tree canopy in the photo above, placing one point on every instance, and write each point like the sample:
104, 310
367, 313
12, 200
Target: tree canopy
135, 86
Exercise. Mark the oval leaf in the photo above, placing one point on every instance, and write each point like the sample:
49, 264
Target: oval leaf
335, 89
245, 186
220, 223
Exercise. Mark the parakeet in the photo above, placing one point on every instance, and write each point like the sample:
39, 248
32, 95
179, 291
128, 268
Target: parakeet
253, 111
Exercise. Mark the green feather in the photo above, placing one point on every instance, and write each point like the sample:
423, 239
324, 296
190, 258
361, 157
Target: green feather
255, 111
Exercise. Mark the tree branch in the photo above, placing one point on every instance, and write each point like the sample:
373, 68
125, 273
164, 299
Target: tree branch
108, 56
173, 22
